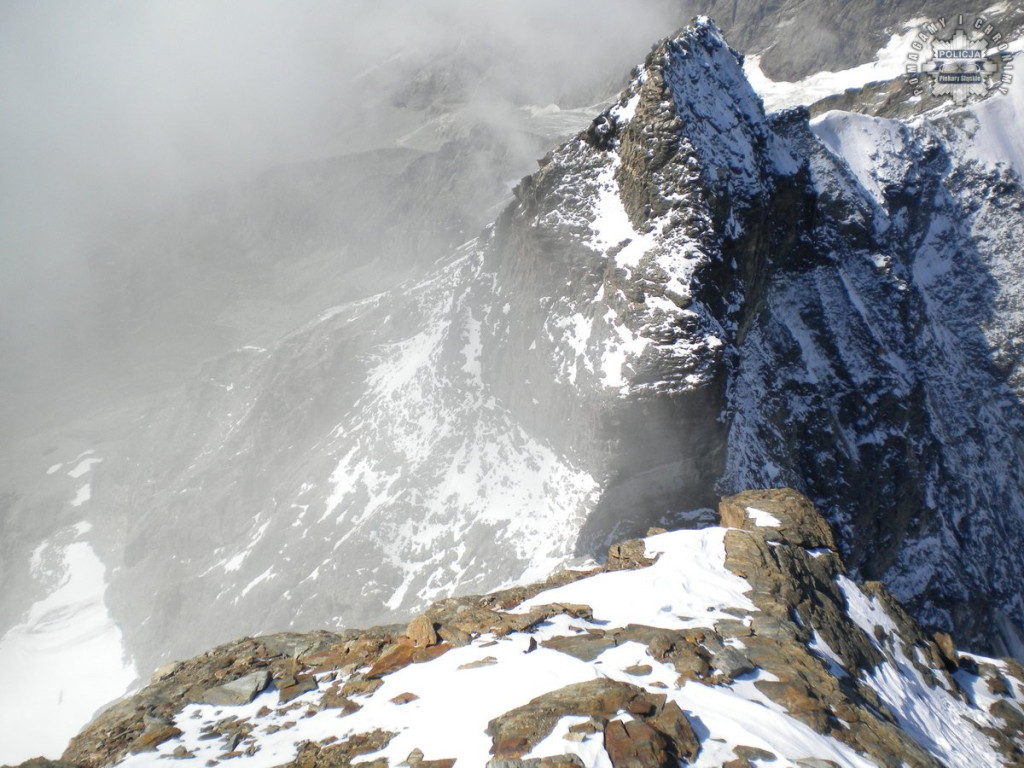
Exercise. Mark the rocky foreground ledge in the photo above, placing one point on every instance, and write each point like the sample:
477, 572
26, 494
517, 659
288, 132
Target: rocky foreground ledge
741, 645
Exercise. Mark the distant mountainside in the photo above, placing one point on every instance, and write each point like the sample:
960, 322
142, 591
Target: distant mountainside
737, 646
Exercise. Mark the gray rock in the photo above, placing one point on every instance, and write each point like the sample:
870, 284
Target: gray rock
237, 692
732, 663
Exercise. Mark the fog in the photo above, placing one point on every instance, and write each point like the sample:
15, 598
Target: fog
116, 110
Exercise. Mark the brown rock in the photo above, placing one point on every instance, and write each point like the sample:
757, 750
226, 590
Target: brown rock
671, 722
487, 661
298, 686
660, 646
420, 655
799, 524
165, 670
639, 670
358, 685
636, 745
593, 725
334, 699
950, 657
518, 731
1011, 716
404, 698
421, 632
153, 738
627, 555
340, 754
584, 647
754, 753
997, 686
800, 702
393, 659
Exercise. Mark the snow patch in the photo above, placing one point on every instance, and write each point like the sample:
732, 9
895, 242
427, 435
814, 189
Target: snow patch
763, 519
65, 659
83, 467
688, 586
890, 62
83, 495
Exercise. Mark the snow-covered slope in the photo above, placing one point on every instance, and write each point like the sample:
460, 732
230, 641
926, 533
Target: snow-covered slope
69, 631
745, 643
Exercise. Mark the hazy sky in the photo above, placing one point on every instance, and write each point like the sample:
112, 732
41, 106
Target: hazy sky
112, 107
124, 98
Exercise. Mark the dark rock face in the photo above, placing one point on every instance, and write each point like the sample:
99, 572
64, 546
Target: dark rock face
859, 378
833, 330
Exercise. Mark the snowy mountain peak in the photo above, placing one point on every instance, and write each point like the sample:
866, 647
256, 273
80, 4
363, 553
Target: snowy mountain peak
746, 643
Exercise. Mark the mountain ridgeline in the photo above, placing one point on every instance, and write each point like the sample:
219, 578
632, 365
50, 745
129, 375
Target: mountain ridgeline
689, 298
727, 646
830, 307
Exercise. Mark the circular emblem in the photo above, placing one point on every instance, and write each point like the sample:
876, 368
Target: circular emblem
959, 58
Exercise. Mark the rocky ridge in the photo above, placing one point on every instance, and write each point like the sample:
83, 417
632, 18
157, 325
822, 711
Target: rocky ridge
750, 645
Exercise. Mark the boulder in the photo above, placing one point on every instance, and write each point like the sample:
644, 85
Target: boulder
947, 649
237, 692
636, 745
165, 670
640, 670
732, 663
754, 753
294, 687
313, 755
421, 632
518, 731
628, 555
675, 726
153, 738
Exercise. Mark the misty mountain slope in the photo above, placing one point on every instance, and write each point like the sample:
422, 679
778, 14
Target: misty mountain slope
457, 433
243, 264
232, 268
364, 451
740, 645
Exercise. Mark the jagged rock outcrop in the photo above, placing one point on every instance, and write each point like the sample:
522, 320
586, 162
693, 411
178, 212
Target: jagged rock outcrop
753, 630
